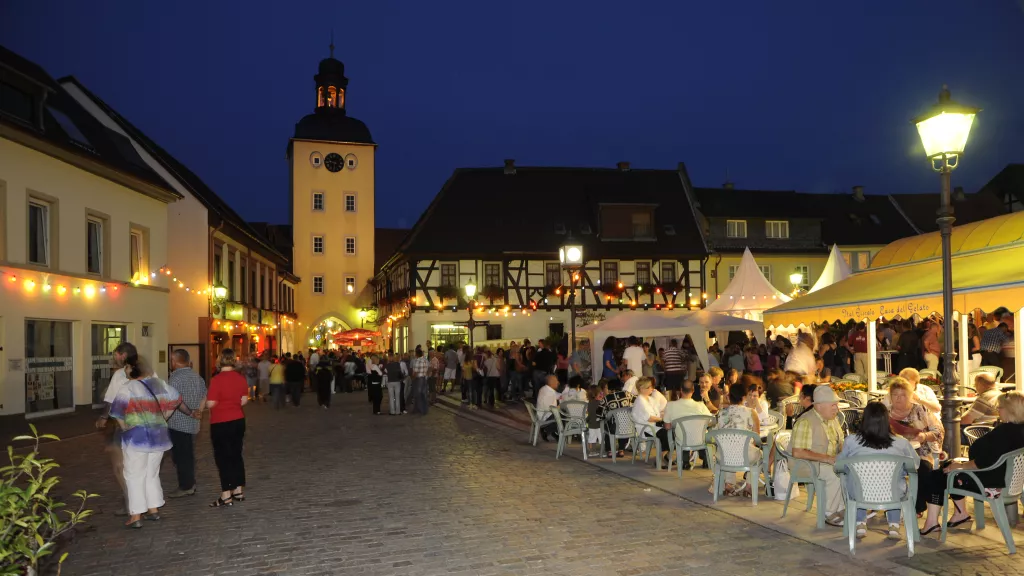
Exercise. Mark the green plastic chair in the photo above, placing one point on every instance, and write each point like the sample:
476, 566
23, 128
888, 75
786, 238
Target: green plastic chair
803, 472
694, 431
732, 455
566, 429
879, 482
1012, 491
534, 423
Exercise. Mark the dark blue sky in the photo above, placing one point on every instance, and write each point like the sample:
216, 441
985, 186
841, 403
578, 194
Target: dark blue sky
807, 95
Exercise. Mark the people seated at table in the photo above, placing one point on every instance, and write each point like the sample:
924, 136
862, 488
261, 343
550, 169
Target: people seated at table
737, 416
818, 437
875, 437
629, 379
913, 421
984, 452
613, 400
985, 407
546, 398
681, 405
806, 402
707, 391
923, 393
574, 390
646, 413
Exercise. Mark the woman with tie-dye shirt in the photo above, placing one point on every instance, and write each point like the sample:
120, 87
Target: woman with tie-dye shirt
141, 408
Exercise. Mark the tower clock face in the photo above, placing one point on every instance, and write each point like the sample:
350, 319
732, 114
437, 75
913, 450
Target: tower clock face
334, 162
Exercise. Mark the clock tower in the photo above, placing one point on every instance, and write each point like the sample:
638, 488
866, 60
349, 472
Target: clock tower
331, 156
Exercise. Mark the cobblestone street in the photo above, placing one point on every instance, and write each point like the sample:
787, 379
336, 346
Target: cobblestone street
344, 492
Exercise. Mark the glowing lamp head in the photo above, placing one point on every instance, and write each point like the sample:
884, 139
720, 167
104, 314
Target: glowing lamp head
220, 292
945, 127
362, 314
570, 254
330, 324
471, 289
796, 278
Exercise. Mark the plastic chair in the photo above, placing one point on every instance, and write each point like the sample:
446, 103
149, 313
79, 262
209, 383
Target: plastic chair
803, 472
995, 371
878, 482
880, 375
624, 428
567, 429
732, 454
647, 434
785, 403
930, 374
575, 410
1013, 490
694, 431
534, 423
975, 432
854, 377
850, 419
856, 398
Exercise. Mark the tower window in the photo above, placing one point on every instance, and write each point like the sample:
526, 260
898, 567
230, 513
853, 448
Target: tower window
332, 96
319, 96
318, 244
350, 245
318, 284
350, 202
318, 201
350, 284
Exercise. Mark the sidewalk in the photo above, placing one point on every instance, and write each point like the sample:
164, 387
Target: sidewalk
965, 551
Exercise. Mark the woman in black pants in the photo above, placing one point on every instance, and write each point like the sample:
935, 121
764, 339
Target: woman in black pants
228, 393
375, 383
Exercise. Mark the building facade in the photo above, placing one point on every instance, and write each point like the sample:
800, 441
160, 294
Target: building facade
83, 222
331, 159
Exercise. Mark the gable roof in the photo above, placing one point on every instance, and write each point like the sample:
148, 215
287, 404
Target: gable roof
735, 203
488, 212
186, 177
385, 242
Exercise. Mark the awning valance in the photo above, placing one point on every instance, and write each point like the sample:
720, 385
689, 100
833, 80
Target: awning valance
983, 279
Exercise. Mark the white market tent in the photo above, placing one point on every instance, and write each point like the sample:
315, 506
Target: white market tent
697, 324
836, 270
748, 294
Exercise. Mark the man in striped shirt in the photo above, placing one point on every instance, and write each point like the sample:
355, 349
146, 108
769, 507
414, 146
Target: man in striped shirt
675, 365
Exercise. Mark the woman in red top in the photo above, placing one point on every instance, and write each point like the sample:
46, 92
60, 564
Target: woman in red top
228, 392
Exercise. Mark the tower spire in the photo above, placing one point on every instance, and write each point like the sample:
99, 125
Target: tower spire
332, 43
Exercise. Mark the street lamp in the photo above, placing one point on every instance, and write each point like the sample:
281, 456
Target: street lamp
571, 257
220, 293
943, 131
470, 293
796, 278
362, 317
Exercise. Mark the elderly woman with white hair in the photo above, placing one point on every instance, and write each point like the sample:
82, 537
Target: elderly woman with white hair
646, 411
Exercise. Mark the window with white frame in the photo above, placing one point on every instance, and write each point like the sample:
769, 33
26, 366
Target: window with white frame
643, 273
350, 245
492, 275
776, 229
858, 260
732, 271
350, 284
318, 201
736, 228
350, 202
318, 244
448, 273
552, 274
668, 272
805, 282
766, 271
610, 273
318, 284
137, 250
39, 233
94, 245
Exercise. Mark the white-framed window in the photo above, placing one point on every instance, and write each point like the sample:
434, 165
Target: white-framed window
318, 284
39, 233
858, 260
350, 284
766, 271
350, 245
732, 271
318, 244
137, 251
805, 283
94, 245
318, 201
643, 273
350, 202
736, 228
776, 229
668, 272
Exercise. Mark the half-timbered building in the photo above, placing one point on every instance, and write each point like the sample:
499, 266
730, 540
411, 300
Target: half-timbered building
500, 229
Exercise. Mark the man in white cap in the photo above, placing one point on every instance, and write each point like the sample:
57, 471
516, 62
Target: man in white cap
817, 438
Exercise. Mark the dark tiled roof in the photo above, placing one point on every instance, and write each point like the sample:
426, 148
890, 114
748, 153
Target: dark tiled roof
733, 203
332, 125
483, 211
385, 242
70, 127
189, 179
848, 221
921, 208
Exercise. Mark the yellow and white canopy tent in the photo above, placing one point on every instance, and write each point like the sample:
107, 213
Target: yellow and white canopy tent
836, 269
905, 279
748, 294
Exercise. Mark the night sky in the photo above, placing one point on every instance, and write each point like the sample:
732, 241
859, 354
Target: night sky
807, 95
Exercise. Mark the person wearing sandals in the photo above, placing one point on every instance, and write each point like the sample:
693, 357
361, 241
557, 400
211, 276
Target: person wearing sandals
818, 437
141, 408
737, 416
225, 399
875, 437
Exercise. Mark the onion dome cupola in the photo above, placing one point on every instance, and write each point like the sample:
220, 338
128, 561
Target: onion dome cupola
329, 120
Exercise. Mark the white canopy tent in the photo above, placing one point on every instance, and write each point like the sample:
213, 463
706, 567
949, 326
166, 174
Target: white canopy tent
748, 294
836, 269
698, 324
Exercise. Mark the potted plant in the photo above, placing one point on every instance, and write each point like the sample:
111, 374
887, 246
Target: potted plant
492, 292
447, 292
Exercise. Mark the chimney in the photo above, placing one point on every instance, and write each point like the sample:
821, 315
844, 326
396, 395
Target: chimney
622, 166
958, 194
510, 166
858, 193
728, 185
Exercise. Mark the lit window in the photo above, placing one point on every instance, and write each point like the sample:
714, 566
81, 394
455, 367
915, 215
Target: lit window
318, 244
805, 284
138, 254
777, 229
350, 245
552, 274
318, 284
350, 284
94, 245
318, 201
736, 228
643, 273
858, 260
642, 225
39, 233
350, 202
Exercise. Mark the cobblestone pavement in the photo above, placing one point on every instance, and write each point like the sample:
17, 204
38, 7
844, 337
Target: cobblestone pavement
340, 491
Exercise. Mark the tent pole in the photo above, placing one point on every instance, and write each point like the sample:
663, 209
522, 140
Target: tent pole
872, 355
1018, 360
963, 355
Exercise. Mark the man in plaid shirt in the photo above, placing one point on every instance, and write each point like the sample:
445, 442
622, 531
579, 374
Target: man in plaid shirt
420, 370
184, 423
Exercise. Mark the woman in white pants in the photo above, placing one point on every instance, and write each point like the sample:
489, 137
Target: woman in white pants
141, 408
394, 374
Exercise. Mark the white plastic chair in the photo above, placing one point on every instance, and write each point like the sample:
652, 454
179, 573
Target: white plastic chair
534, 423
854, 377
732, 454
575, 410
803, 472
856, 398
694, 431
624, 428
995, 371
879, 482
567, 429
1012, 491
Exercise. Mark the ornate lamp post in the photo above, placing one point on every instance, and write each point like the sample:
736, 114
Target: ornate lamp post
796, 279
362, 317
470, 294
944, 130
571, 257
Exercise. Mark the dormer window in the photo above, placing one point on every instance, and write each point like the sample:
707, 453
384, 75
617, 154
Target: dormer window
778, 229
642, 225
